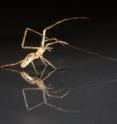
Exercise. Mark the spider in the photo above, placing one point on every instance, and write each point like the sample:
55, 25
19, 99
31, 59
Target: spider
45, 45
48, 92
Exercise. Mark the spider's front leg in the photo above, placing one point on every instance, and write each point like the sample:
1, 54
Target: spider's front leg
55, 42
33, 65
63, 43
24, 39
46, 62
58, 97
47, 46
57, 23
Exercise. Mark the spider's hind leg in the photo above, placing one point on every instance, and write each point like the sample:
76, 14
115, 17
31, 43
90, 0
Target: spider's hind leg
33, 65
46, 62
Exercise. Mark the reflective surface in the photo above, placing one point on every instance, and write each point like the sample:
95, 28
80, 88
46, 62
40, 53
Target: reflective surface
87, 76
91, 79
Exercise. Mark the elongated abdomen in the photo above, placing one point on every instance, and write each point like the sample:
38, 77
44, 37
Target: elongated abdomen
30, 57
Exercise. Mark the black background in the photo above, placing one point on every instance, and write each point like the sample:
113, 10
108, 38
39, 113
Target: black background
98, 104
16, 16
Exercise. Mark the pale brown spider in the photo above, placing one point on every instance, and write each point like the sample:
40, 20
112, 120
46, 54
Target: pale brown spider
40, 84
45, 45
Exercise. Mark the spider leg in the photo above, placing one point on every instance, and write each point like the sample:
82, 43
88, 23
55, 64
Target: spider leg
55, 24
55, 42
54, 106
50, 73
58, 97
24, 39
49, 44
42, 73
57, 91
25, 99
46, 62
33, 65
49, 63
35, 106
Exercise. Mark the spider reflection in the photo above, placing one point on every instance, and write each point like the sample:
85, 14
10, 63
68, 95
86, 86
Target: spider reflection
40, 84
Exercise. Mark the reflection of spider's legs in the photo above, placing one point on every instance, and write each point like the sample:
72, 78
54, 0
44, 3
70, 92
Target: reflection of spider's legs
24, 39
25, 99
45, 62
49, 75
42, 73
41, 58
53, 106
33, 65
57, 91
58, 97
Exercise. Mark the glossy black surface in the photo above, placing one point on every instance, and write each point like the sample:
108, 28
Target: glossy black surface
88, 75
91, 79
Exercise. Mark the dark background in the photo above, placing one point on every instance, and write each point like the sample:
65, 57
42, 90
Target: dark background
98, 104
16, 16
